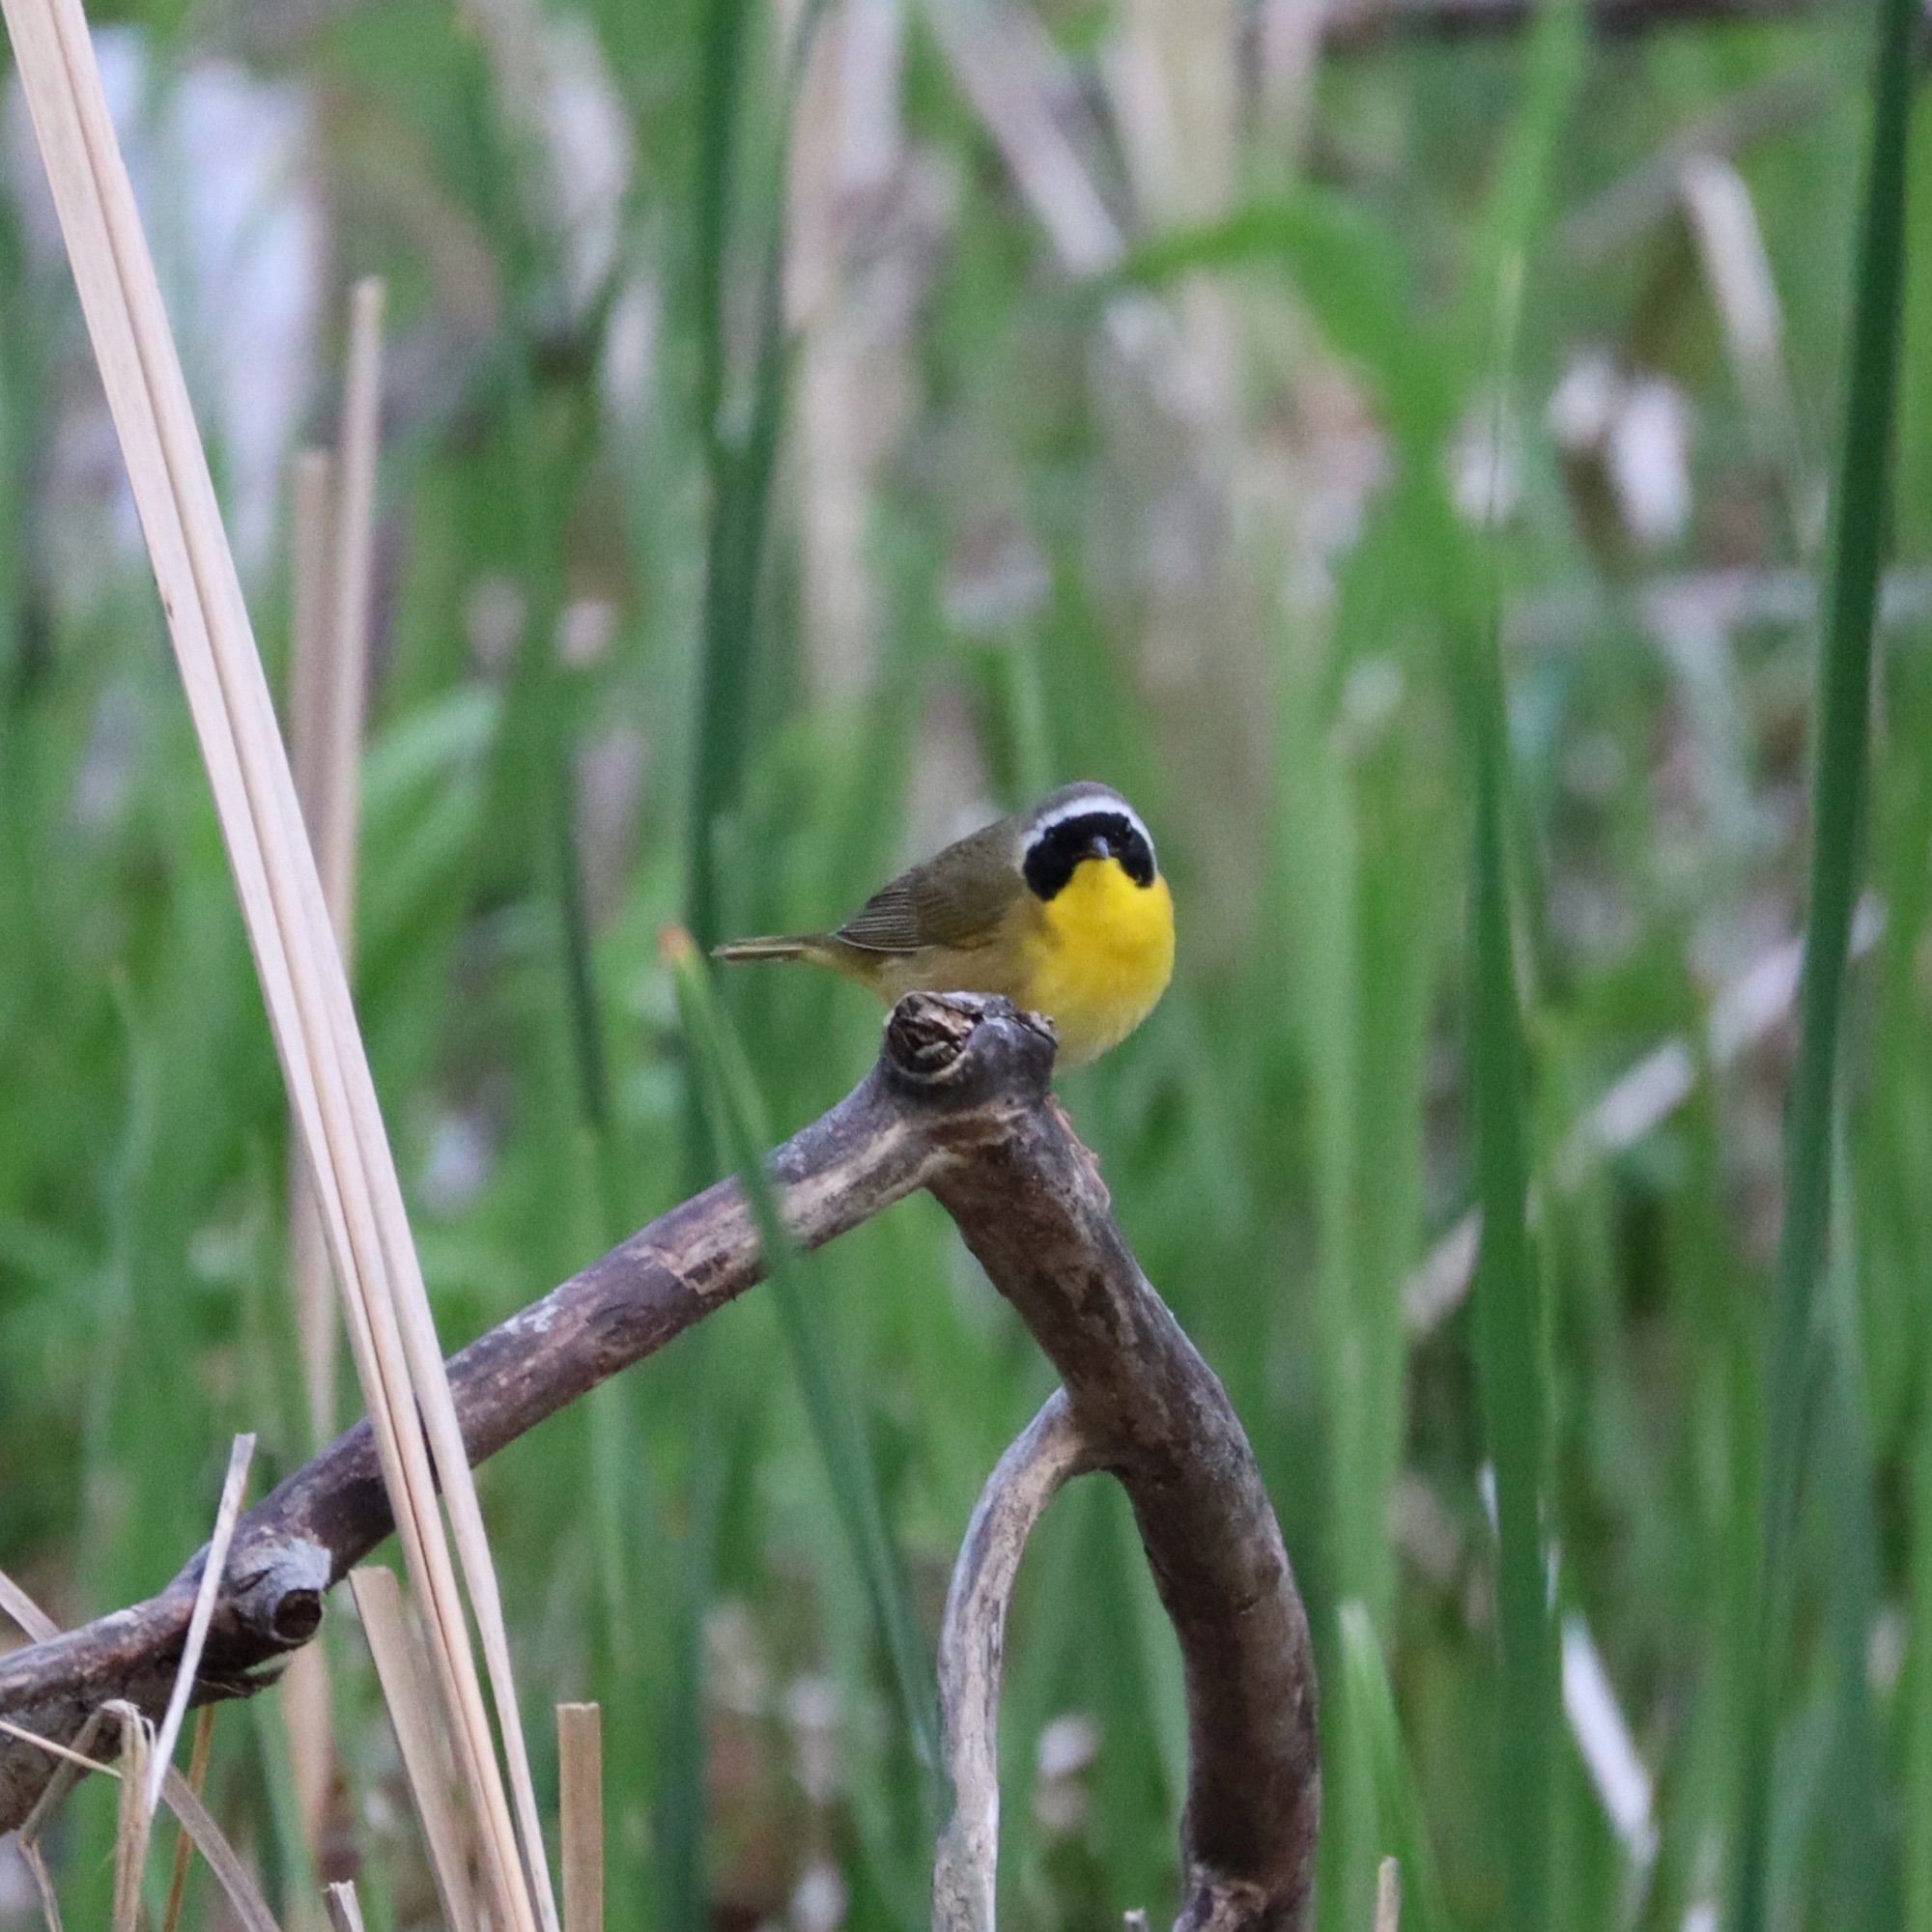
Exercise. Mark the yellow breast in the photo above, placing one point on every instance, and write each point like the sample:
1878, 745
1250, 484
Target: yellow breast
1103, 953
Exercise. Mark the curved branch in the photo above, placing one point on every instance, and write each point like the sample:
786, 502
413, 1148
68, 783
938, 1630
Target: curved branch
959, 1103
971, 1648
1032, 1207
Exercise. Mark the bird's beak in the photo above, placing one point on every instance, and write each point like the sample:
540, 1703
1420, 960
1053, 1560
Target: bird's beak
1102, 846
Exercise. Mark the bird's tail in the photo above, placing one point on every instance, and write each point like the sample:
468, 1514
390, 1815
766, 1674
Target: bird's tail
789, 945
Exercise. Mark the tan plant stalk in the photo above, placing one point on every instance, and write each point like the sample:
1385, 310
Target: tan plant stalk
580, 1754
311, 541
345, 1912
138, 1758
239, 1459
198, 1756
392, 1335
392, 1642
331, 545
1388, 1896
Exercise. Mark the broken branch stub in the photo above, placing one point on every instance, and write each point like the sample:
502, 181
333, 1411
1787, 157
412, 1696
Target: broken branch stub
959, 1103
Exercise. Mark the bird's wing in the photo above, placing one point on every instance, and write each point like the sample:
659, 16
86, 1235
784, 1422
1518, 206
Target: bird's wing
957, 899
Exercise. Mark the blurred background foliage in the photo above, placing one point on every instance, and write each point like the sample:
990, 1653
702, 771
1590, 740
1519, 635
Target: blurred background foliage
810, 428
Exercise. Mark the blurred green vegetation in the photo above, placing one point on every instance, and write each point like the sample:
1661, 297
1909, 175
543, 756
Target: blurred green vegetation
811, 429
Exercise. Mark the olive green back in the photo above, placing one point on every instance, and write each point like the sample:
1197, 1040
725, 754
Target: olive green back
958, 898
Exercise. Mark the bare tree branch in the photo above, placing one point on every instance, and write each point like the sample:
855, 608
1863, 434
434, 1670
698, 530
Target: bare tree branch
1031, 1206
971, 1648
960, 1103
303, 1538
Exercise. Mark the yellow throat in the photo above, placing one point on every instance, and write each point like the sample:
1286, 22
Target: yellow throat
1102, 956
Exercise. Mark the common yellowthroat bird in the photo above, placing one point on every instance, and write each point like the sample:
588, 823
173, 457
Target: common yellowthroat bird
1062, 909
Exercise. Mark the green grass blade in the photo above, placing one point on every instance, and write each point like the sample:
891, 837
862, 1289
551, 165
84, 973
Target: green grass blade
741, 446
1375, 1742
730, 1092
1838, 804
1509, 1337
680, 1813
288, 1833
1919, 1757
739, 479
1862, 1873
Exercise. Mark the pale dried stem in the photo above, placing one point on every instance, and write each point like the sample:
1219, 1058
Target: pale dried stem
136, 1821
392, 1334
306, 1697
239, 1459
345, 1911
333, 548
53, 1749
310, 686
49, 1803
24, 1611
579, 1754
972, 1646
1723, 221
338, 803
1388, 1896
199, 1754
421, 1735
995, 51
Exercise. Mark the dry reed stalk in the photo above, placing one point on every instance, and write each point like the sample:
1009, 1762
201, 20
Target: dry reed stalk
239, 1459
54, 1749
1002, 64
421, 1736
136, 1825
44, 1807
339, 804
1730, 240
1723, 223
391, 1332
311, 539
845, 291
198, 1755
311, 548
580, 1752
345, 1912
1388, 1896
331, 544
237, 1884
305, 1704
24, 1611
